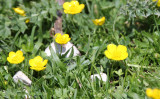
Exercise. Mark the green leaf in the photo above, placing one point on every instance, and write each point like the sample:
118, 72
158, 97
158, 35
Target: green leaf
119, 72
4, 31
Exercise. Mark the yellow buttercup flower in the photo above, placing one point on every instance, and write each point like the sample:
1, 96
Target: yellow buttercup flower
5, 82
62, 39
27, 21
116, 52
15, 58
37, 63
149, 92
19, 11
73, 7
99, 21
153, 93
158, 2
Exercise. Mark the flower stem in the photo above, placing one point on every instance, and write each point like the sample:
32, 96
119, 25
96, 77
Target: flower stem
61, 51
71, 18
126, 72
95, 29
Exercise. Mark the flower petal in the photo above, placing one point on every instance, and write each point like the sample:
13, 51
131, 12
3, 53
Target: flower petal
65, 35
44, 62
124, 56
31, 62
19, 52
82, 6
11, 53
38, 58
111, 48
122, 48
75, 3
108, 54
66, 5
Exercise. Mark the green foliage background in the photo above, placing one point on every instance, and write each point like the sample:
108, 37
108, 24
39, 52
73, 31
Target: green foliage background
133, 23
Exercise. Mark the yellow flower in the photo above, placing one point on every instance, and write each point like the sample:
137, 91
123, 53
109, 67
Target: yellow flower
99, 21
158, 2
37, 63
116, 52
27, 21
154, 94
62, 39
149, 92
5, 82
73, 7
19, 11
15, 58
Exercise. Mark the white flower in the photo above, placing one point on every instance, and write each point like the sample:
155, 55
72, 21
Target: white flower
102, 75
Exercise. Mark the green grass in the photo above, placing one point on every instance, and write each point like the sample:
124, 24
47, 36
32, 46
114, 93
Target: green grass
69, 78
